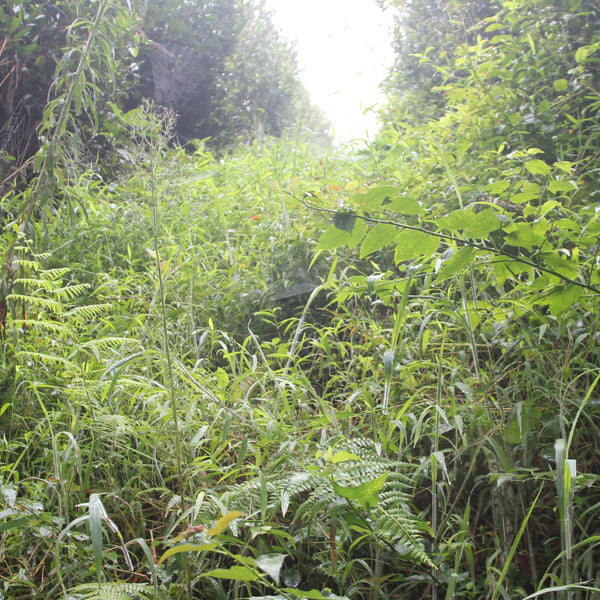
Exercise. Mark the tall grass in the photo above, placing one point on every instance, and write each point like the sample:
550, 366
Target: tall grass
371, 438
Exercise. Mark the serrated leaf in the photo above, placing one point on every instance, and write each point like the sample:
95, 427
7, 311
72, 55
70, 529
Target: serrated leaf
376, 196
379, 236
406, 206
537, 166
333, 238
497, 187
583, 52
562, 298
344, 220
559, 185
457, 220
526, 196
485, 222
411, 243
525, 236
366, 494
474, 224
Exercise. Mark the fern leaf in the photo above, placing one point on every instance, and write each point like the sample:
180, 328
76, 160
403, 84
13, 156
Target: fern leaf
116, 591
45, 303
88, 312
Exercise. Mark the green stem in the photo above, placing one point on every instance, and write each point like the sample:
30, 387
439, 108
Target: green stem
45, 180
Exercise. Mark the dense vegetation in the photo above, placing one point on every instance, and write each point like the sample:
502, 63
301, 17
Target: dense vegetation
283, 372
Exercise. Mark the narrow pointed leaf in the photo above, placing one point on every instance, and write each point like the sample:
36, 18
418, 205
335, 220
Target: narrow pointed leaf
223, 522
186, 548
237, 572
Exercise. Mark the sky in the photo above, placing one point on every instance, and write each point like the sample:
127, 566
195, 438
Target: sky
344, 48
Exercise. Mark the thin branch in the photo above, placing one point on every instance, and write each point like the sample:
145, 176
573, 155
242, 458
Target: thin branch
459, 241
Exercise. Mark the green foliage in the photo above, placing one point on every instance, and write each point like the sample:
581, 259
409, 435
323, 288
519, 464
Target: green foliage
115, 591
279, 374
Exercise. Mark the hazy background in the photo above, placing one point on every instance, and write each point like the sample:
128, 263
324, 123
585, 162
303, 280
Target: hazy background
344, 49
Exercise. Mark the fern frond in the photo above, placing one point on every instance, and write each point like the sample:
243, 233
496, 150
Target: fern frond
32, 265
45, 303
87, 312
56, 273
105, 342
111, 425
52, 326
34, 283
48, 358
68, 292
116, 591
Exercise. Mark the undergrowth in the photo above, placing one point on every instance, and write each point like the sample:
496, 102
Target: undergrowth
257, 376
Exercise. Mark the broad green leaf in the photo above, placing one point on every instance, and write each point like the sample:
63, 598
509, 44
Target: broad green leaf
485, 222
411, 243
494, 27
529, 191
526, 235
524, 421
379, 236
457, 220
376, 196
559, 185
497, 187
562, 298
237, 572
15, 523
561, 85
366, 494
566, 224
583, 52
455, 264
562, 264
223, 522
342, 456
406, 206
548, 206
185, 548
334, 237
271, 564
564, 165
344, 220
538, 167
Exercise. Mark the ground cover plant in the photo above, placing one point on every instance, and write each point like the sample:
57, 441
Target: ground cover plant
285, 372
